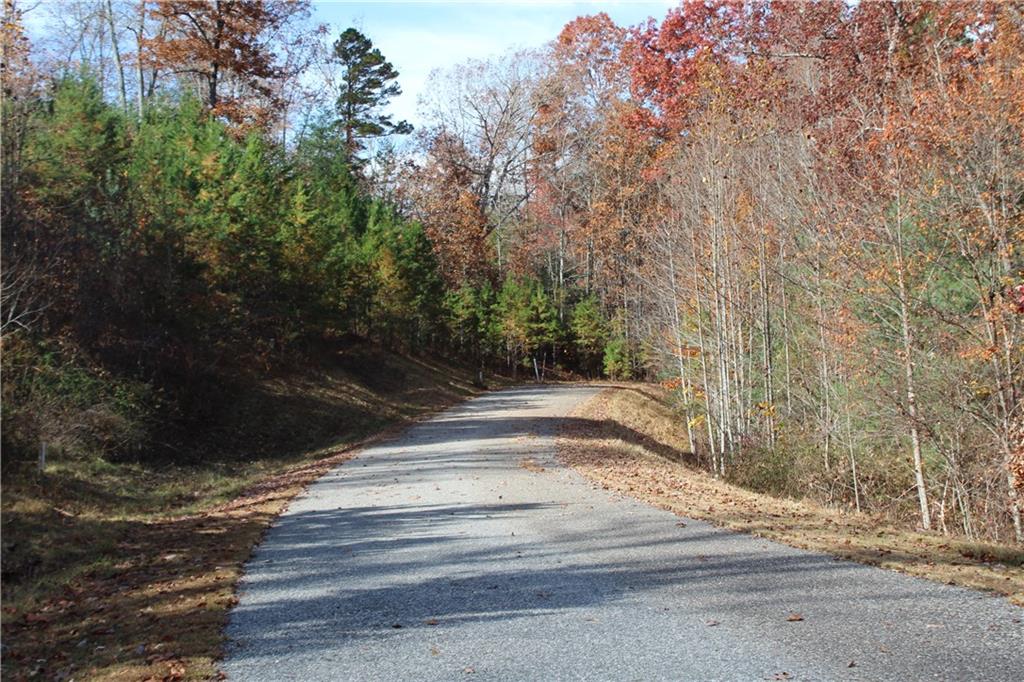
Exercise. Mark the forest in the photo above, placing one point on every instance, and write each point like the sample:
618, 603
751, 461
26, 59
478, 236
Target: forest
805, 219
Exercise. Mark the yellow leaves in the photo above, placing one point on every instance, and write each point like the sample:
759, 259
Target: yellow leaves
210, 165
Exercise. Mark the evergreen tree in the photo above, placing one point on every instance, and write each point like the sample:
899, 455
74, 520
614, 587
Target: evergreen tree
528, 320
540, 323
367, 85
590, 332
72, 205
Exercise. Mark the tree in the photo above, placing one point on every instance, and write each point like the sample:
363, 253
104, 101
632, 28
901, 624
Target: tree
805, 216
480, 119
406, 292
541, 325
21, 262
366, 86
221, 41
590, 332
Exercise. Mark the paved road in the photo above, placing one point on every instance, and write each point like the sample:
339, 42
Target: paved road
439, 557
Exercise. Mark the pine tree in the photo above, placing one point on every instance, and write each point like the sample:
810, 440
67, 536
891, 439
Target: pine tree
590, 332
367, 85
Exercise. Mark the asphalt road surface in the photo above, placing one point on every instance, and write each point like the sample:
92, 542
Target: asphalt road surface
439, 556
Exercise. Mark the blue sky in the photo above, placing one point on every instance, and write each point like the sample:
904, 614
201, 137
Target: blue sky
418, 37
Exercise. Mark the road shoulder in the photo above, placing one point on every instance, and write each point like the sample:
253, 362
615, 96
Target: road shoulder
624, 441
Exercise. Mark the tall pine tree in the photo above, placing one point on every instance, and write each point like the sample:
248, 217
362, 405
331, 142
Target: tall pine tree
367, 85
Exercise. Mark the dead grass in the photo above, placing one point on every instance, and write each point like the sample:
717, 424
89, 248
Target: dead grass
629, 441
127, 572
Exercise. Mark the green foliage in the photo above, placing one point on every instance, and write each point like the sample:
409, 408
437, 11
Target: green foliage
367, 84
795, 469
321, 236
406, 302
775, 472
526, 317
176, 253
71, 203
75, 158
616, 361
52, 395
473, 321
620, 359
590, 333
541, 321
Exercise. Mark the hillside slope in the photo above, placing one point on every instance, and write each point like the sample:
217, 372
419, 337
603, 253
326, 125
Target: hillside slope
125, 570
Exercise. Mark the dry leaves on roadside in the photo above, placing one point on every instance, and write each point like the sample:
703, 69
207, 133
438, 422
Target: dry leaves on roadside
626, 440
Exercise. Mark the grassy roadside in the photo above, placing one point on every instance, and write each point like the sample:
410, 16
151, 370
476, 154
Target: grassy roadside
628, 440
127, 571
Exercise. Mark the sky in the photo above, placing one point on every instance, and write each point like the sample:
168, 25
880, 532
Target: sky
418, 37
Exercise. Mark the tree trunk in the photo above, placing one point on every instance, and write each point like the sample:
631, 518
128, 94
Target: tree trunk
138, 59
853, 460
766, 342
676, 325
785, 332
214, 76
117, 56
824, 375
907, 340
703, 354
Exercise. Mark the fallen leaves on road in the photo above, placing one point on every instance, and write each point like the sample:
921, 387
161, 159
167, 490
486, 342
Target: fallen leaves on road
530, 464
794, 618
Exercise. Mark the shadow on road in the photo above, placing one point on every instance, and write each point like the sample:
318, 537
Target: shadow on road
456, 582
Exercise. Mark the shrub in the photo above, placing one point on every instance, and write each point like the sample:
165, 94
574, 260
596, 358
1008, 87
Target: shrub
53, 395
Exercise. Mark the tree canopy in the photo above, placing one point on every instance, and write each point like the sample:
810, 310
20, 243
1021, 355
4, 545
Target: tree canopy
803, 218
